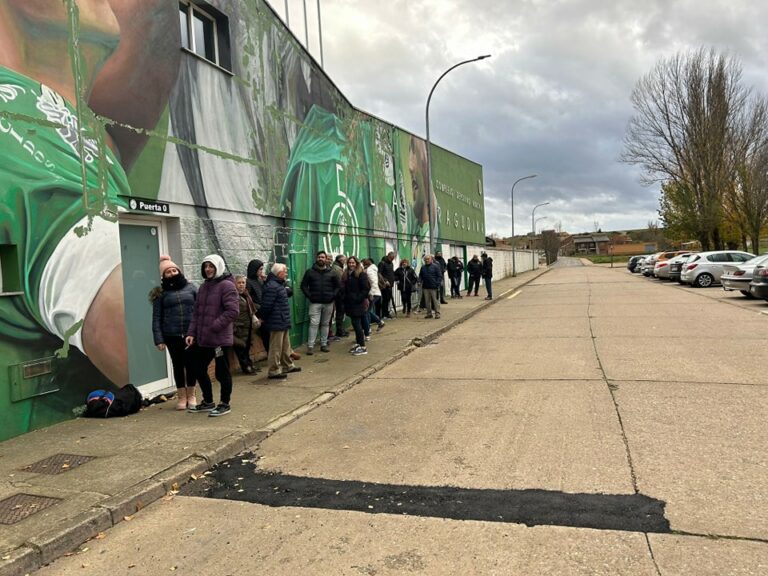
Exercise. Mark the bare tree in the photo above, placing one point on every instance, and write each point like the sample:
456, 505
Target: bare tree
746, 200
550, 241
688, 114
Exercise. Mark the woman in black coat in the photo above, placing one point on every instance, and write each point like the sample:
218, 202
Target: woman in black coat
406, 282
356, 287
172, 305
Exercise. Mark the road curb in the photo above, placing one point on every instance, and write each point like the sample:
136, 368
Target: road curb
57, 541
22, 560
50, 545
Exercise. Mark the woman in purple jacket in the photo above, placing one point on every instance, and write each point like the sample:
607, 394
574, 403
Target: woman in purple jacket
216, 308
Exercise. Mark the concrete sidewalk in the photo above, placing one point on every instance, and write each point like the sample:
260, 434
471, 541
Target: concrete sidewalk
133, 461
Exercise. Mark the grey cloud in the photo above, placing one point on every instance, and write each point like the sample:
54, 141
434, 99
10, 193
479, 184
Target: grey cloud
554, 99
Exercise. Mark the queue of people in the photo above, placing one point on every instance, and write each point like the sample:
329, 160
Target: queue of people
198, 325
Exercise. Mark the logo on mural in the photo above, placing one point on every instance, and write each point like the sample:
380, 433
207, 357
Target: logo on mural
9, 92
52, 105
342, 236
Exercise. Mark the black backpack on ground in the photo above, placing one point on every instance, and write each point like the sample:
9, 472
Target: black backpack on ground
104, 404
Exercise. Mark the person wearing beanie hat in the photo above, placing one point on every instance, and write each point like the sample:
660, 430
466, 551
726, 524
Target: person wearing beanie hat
211, 332
172, 305
166, 264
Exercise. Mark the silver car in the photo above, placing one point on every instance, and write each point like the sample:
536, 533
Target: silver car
662, 268
738, 276
705, 268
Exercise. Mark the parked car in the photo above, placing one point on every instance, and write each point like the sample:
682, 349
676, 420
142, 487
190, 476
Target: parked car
705, 268
676, 266
758, 286
661, 268
647, 266
738, 277
633, 264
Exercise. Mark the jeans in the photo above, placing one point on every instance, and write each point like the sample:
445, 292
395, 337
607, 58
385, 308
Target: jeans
203, 357
488, 287
357, 324
432, 300
455, 283
319, 317
372, 317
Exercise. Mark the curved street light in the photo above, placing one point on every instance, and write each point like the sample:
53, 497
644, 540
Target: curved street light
429, 149
533, 233
512, 210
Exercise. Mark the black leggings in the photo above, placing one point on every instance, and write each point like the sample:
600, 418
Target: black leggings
406, 298
473, 281
183, 371
203, 357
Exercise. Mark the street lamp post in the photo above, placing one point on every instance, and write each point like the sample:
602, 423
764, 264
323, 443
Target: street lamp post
512, 210
533, 233
429, 150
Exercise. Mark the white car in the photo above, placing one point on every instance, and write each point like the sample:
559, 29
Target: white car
705, 268
738, 276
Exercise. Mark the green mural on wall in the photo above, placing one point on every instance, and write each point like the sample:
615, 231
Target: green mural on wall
94, 90
458, 185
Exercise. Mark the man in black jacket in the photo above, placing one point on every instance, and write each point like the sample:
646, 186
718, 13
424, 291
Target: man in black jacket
455, 270
440, 261
475, 272
320, 285
387, 273
488, 274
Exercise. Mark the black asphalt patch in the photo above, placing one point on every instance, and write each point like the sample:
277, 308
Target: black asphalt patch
239, 480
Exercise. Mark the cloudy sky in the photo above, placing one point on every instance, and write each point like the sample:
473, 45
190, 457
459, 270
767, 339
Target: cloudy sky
554, 99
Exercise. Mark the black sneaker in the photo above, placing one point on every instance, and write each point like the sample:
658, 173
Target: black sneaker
280, 376
293, 369
324, 349
202, 407
310, 350
220, 410
381, 325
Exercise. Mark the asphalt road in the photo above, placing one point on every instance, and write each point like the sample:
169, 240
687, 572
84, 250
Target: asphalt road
594, 422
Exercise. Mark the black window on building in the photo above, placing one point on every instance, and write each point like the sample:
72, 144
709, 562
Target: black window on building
205, 32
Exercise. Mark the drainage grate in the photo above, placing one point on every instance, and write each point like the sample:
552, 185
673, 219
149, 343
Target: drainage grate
58, 463
21, 506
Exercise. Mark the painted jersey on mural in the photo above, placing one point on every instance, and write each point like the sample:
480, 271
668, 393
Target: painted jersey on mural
60, 189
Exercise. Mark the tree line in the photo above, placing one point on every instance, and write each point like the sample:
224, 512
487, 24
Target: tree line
701, 134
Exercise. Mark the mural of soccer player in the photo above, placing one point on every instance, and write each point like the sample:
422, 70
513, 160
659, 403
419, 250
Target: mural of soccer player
61, 171
414, 204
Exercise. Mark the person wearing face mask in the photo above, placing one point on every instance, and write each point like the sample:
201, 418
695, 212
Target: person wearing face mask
172, 305
210, 330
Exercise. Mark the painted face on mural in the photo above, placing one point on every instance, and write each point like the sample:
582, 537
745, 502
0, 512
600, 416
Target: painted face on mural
417, 167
